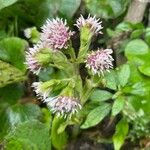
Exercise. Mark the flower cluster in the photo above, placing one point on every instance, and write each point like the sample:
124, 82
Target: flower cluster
63, 105
55, 36
100, 61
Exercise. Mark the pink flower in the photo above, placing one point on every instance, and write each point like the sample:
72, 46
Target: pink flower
55, 34
63, 105
100, 61
31, 60
91, 22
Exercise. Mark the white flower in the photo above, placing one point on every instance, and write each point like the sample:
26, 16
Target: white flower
63, 105
100, 61
91, 22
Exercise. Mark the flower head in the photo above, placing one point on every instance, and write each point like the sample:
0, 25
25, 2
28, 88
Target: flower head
100, 61
41, 91
31, 60
63, 105
91, 22
55, 34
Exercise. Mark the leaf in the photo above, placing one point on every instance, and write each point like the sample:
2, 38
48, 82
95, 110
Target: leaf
6, 3
100, 95
147, 36
68, 7
118, 105
11, 93
9, 74
123, 74
145, 69
33, 133
124, 26
108, 8
17, 114
59, 140
12, 50
135, 50
96, 115
111, 80
120, 134
136, 33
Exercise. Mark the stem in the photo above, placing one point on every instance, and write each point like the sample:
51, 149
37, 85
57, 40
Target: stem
75, 131
86, 95
72, 54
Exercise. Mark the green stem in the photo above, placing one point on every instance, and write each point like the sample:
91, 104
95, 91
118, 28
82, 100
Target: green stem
72, 54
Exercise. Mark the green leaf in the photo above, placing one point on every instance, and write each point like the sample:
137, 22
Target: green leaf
118, 105
108, 8
17, 114
111, 80
6, 3
123, 74
59, 140
29, 135
11, 93
147, 36
96, 115
10, 74
67, 7
120, 134
100, 95
124, 26
145, 69
136, 33
12, 50
136, 49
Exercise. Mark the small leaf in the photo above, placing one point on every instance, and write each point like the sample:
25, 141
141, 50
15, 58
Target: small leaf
136, 33
96, 115
100, 95
145, 69
120, 134
118, 105
136, 49
124, 74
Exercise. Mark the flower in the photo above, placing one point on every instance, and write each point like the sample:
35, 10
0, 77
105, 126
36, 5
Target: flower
31, 59
63, 105
55, 34
91, 22
39, 89
100, 61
